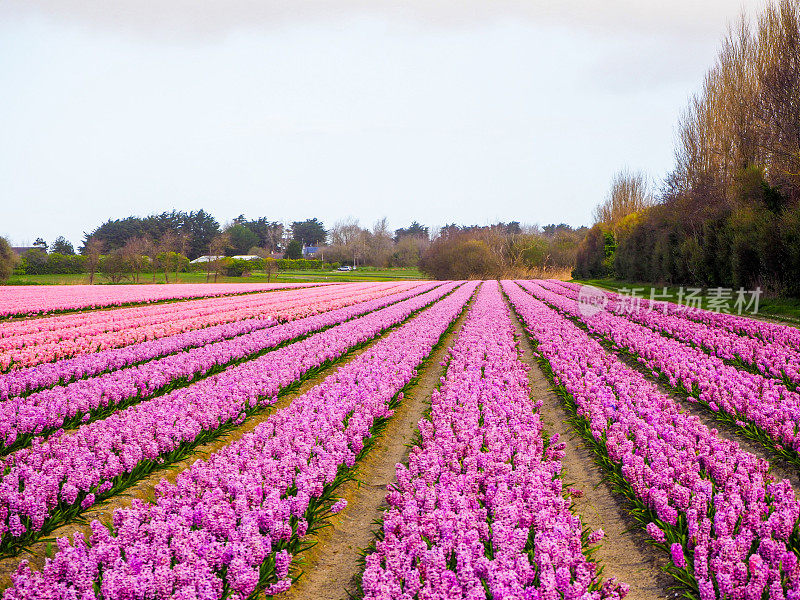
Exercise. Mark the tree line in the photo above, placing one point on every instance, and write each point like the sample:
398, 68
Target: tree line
728, 214
133, 248
502, 250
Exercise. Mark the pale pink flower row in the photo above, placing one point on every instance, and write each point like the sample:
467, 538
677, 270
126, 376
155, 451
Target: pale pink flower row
37, 299
153, 322
26, 380
117, 318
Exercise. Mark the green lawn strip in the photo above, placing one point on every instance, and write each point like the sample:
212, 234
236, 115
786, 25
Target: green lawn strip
364, 274
257, 276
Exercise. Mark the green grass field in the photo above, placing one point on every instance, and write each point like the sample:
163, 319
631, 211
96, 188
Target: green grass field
365, 274
783, 309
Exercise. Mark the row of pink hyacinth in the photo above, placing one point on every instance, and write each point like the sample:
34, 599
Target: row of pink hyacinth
772, 333
16, 334
25, 380
52, 408
69, 326
98, 321
765, 402
777, 361
38, 299
480, 512
22, 381
72, 468
727, 523
231, 523
114, 330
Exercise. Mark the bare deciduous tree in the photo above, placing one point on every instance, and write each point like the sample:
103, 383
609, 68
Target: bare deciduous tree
270, 267
94, 249
168, 243
748, 111
380, 244
7, 259
134, 253
217, 249
630, 193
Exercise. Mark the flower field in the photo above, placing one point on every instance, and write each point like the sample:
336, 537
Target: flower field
26, 300
211, 441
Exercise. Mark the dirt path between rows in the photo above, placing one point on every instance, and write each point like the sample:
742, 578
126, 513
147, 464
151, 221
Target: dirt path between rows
331, 569
144, 489
625, 552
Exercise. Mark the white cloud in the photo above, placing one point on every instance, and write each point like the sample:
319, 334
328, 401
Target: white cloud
682, 18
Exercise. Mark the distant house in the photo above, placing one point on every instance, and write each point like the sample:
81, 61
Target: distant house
313, 251
210, 258
20, 250
206, 258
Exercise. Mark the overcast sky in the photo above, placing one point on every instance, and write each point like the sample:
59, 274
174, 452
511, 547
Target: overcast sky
441, 111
